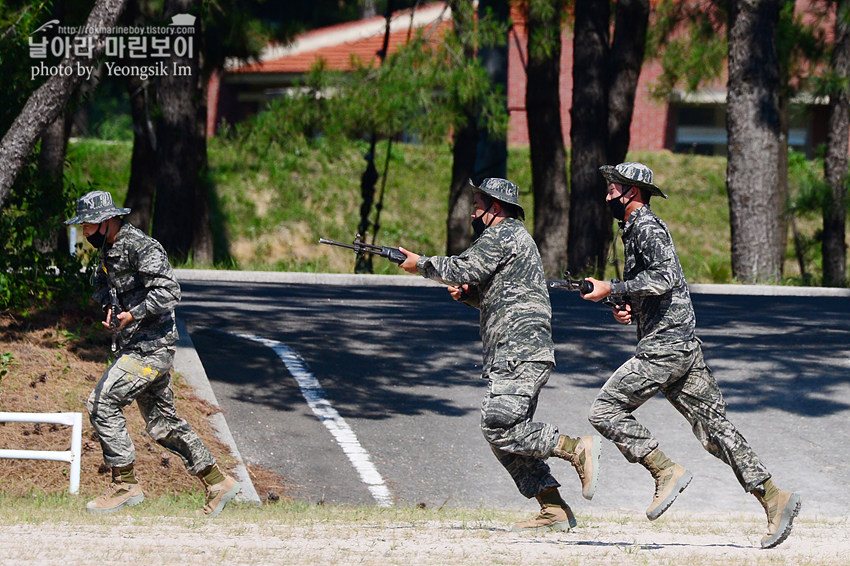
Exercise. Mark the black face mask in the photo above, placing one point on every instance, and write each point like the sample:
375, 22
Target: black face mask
618, 208
97, 239
478, 225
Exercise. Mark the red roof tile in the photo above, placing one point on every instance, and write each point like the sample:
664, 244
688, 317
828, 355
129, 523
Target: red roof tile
339, 45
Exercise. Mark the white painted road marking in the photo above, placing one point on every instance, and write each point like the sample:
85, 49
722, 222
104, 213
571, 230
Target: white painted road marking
328, 416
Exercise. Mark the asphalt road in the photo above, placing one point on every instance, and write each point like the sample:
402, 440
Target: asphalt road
366, 390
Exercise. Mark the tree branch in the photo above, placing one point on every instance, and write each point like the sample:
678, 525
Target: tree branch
48, 101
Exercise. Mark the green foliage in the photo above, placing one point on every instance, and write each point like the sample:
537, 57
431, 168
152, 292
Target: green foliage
99, 164
809, 192
545, 35
801, 47
690, 41
32, 272
421, 90
237, 28
17, 19
6, 359
108, 111
810, 197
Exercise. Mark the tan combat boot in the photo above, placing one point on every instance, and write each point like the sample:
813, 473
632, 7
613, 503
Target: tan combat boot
555, 514
781, 508
118, 495
584, 456
219, 495
671, 479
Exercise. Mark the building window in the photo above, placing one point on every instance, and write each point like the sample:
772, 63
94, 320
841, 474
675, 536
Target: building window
700, 126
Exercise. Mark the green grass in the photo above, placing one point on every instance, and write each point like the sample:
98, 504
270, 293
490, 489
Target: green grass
99, 165
274, 204
47, 507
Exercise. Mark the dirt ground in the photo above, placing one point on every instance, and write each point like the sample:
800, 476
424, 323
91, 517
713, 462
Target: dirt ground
52, 361
613, 539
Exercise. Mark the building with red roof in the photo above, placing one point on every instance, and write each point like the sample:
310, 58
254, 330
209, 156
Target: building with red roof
686, 122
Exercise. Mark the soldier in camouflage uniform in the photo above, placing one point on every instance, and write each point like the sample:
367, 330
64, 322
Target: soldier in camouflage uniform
136, 267
501, 274
668, 359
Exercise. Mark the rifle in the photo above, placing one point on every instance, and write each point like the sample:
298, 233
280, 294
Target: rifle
583, 286
392, 254
361, 247
115, 307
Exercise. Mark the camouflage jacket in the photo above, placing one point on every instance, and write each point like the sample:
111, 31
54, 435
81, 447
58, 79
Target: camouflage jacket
654, 284
137, 266
505, 275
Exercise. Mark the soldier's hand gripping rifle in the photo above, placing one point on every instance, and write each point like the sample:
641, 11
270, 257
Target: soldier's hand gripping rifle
116, 309
361, 247
583, 286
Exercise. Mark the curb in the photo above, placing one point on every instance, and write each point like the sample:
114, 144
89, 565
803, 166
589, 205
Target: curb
370, 280
188, 363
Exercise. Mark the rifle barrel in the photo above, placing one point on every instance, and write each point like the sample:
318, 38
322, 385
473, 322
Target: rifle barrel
340, 244
359, 247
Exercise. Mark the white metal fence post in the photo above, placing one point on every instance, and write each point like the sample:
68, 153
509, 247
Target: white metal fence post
72, 456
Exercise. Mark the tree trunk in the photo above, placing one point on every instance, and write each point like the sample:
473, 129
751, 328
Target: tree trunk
49, 100
491, 156
51, 164
458, 232
464, 149
834, 247
782, 177
51, 169
181, 213
590, 220
756, 207
141, 189
627, 52
143, 165
548, 158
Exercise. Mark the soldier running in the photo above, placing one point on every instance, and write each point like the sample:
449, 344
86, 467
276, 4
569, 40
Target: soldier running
668, 359
136, 268
501, 274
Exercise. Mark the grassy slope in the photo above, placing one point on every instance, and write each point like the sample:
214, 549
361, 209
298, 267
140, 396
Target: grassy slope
273, 206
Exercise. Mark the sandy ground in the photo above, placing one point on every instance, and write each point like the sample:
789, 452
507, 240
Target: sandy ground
614, 539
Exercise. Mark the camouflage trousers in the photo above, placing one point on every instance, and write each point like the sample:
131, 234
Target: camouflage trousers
520, 444
146, 380
682, 376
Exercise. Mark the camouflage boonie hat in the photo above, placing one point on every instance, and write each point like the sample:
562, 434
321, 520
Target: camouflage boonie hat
631, 174
95, 207
501, 190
